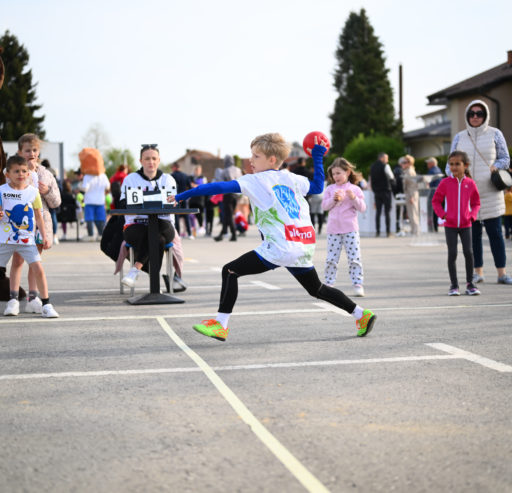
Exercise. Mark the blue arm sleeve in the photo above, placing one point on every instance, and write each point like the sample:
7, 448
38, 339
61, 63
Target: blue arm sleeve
211, 189
317, 183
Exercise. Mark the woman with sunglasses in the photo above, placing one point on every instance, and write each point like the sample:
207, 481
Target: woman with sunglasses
487, 151
148, 178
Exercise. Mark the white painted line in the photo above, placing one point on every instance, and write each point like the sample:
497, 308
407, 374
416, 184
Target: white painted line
102, 373
265, 285
201, 315
261, 366
475, 358
310, 482
331, 308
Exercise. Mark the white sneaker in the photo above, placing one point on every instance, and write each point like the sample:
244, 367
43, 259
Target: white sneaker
34, 306
358, 290
56, 240
49, 312
13, 308
131, 277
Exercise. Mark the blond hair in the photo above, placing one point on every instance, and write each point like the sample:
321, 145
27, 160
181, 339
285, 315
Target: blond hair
272, 144
342, 163
28, 139
408, 158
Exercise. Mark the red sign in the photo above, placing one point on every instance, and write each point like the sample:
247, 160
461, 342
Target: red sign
305, 235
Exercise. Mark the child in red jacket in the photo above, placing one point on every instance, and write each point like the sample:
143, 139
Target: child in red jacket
460, 210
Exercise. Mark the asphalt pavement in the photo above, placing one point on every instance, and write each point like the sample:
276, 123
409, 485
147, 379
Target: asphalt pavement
112, 397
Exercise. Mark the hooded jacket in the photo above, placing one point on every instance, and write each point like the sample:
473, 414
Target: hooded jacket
230, 171
462, 202
492, 150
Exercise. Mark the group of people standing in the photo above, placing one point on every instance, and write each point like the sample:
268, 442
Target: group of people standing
479, 150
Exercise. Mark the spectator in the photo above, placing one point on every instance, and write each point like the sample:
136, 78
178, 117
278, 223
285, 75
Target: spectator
120, 174
381, 179
398, 192
487, 151
411, 192
67, 210
230, 172
182, 184
433, 169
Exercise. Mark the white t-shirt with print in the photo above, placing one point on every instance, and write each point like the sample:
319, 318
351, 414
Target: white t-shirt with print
281, 213
18, 224
95, 186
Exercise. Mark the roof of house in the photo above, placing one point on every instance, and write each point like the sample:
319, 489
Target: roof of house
437, 130
200, 155
478, 83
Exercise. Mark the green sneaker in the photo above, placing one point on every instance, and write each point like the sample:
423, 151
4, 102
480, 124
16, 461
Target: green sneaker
212, 328
365, 323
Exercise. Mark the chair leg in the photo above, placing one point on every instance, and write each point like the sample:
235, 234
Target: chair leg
169, 269
132, 261
121, 275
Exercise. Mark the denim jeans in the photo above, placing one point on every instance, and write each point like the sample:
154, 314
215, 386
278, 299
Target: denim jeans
495, 235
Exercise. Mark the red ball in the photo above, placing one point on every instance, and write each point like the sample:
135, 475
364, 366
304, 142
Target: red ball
309, 142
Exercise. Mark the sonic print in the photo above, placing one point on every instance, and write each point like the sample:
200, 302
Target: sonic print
21, 218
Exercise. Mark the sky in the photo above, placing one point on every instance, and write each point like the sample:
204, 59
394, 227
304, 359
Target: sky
213, 74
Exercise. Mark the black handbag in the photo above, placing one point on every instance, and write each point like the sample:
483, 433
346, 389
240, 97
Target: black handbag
501, 179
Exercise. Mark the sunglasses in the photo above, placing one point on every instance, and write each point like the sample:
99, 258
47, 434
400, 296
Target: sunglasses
145, 147
479, 114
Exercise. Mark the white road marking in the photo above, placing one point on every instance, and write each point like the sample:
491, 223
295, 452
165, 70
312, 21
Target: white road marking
260, 366
475, 358
265, 285
331, 308
310, 482
32, 319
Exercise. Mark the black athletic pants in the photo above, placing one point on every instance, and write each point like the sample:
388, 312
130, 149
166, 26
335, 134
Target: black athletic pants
137, 236
467, 248
250, 263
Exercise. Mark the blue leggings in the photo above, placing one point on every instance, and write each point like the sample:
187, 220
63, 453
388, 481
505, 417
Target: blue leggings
495, 234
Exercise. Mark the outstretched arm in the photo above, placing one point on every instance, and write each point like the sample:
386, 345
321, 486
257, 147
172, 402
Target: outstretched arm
210, 189
317, 183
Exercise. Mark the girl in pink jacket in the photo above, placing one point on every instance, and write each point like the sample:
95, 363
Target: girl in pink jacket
462, 202
343, 199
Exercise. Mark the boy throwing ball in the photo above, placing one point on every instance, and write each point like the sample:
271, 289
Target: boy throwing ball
281, 213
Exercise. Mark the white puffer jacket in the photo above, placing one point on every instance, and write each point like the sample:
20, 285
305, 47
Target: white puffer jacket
492, 201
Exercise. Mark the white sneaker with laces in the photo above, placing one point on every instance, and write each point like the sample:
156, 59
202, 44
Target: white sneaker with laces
131, 277
49, 312
358, 290
34, 306
13, 308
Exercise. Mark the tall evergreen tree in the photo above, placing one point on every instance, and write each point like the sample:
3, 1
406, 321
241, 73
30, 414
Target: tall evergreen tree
365, 101
18, 95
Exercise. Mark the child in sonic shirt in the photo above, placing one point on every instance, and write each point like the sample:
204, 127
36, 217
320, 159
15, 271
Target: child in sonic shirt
20, 212
29, 147
282, 215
